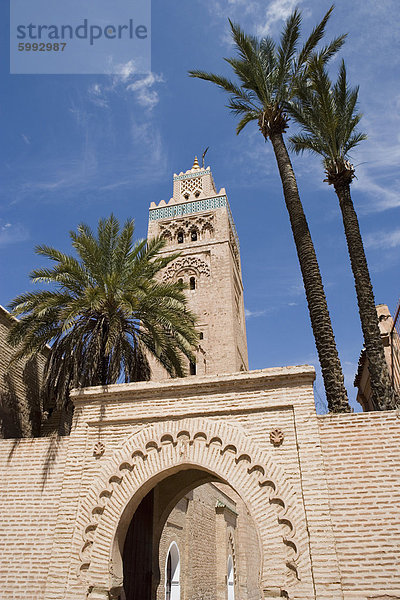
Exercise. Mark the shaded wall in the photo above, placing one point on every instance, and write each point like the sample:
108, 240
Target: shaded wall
31, 478
21, 403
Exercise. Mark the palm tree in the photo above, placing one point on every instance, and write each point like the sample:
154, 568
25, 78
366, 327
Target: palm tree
105, 313
328, 116
269, 76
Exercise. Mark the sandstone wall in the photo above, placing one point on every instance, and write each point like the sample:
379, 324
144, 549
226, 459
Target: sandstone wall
336, 481
32, 472
361, 454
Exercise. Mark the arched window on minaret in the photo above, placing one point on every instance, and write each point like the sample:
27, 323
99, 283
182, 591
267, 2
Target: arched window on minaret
180, 237
172, 574
192, 283
194, 236
207, 232
192, 368
167, 237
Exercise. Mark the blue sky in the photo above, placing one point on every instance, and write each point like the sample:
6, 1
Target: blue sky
75, 148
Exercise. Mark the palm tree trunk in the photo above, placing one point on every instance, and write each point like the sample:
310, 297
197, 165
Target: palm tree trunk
320, 319
384, 396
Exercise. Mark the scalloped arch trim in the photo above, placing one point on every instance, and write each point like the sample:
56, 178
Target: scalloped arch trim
187, 262
213, 446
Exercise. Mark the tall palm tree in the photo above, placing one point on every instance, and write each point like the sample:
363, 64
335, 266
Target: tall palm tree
105, 312
268, 78
328, 116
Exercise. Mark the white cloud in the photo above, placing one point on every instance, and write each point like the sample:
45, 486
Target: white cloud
97, 95
148, 137
146, 96
383, 196
125, 70
232, 8
296, 289
128, 80
277, 12
11, 233
377, 159
252, 314
252, 155
256, 16
383, 240
26, 139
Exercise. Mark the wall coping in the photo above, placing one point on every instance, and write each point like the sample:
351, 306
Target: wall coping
195, 385
331, 418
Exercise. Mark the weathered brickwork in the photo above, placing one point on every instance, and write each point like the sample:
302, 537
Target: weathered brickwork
32, 472
324, 503
361, 454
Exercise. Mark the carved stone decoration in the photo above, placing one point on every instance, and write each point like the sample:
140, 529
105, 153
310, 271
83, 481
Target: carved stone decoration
192, 184
187, 262
202, 223
276, 437
98, 449
221, 448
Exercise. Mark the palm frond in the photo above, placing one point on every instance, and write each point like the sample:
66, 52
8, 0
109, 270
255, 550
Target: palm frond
329, 51
312, 41
220, 81
104, 309
270, 76
288, 42
246, 45
327, 114
248, 117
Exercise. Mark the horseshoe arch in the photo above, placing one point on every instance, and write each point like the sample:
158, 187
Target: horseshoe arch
215, 448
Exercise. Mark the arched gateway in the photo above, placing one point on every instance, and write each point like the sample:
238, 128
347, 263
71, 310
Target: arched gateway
207, 450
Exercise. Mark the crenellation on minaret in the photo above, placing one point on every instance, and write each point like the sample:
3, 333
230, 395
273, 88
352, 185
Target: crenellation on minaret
198, 223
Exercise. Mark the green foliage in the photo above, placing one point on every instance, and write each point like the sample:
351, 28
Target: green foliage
328, 117
105, 312
269, 75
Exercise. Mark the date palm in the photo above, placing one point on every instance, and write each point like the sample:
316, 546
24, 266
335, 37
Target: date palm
268, 77
328, 116
105, 312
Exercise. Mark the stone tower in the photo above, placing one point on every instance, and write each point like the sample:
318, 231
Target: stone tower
198, 223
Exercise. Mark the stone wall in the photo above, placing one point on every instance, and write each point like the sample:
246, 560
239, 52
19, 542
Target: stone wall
361, 455
324, 501
32, 472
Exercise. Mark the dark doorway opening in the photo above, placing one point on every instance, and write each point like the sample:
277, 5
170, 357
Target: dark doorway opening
138, 552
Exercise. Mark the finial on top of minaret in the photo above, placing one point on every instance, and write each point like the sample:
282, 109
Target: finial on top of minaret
196, 163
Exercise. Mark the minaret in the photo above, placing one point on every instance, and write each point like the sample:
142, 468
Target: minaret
197, 222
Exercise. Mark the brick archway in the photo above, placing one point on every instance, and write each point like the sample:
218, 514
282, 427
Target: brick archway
212, 447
